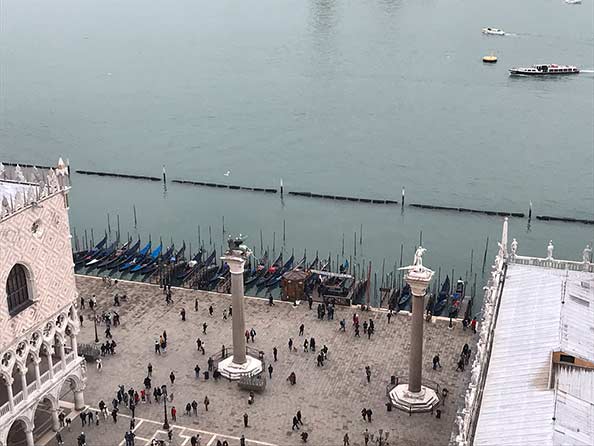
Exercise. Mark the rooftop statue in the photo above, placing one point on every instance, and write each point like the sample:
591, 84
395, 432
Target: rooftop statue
550, 248
587, 254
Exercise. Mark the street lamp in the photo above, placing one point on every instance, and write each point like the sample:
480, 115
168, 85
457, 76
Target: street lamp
165, 421
95, 324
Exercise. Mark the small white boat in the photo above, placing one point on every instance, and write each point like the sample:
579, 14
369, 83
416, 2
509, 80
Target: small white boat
493, 31
573, 2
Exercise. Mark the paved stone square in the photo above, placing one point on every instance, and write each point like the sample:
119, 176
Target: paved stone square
330, 397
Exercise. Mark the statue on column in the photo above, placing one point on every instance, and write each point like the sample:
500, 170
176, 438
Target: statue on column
587, 254
418, 259
550, 248
514, 247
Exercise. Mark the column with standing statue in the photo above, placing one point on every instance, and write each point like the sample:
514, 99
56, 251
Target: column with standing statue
240, 363
413, 396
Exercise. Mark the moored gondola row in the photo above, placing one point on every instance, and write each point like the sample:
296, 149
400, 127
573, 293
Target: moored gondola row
276, 277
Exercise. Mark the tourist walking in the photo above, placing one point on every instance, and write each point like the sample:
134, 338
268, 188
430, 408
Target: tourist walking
210, 310
270, 369
290, 344
369, 413
436, 362
172, 377
301, 329
173, 413
182, 313
295, 424
206, 403
245, 420
204, 327
368, 373
345, 440
274, 353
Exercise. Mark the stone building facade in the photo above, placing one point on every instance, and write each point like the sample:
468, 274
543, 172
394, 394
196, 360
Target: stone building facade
39, 362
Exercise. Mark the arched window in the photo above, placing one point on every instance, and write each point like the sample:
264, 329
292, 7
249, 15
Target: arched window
17, 290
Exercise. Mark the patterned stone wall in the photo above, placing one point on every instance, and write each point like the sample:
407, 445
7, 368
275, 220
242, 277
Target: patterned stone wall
48, 256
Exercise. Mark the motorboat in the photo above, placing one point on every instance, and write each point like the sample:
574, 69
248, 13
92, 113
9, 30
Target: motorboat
573, 2
493, 31
490, 59
544, 70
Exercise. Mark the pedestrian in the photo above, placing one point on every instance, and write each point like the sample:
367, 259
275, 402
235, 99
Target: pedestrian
195, 408
368, 373
292, 378
270, 369
460, 367
473, 324
369, 413
320, 360
298, 415
68, 423
274, 353
366, 436
157, 348
342, 325
252, 334
83, 418
310, 301
369, 332
81, 319
90, 417
242, 440
61, 416
389, 316
290, 344
196, 304
364, 413
173, 413
345, 440
436, 362
197, 371
245, 420
301, 329
149, 369
210, 363
114, 414
204, 327
225, 314
82, 302
172, 377
132, 423
305, 345
210, 310
247, 336
99, 364
365, 327
295, 424
182, 313
59, 440
312, 344
206, 403
170, 435
230, 311
357, 331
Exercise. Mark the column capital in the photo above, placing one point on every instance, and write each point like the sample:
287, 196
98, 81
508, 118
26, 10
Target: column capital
23, 370
8, 380
236, 263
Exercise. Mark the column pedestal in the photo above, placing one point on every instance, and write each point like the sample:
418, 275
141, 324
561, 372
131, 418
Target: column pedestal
55, 420
79, 400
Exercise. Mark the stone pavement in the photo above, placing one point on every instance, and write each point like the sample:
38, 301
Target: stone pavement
330, 398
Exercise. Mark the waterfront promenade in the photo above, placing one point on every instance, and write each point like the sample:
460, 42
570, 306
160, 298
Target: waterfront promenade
330, 397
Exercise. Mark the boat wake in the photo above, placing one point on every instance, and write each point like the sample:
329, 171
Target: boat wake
586, 71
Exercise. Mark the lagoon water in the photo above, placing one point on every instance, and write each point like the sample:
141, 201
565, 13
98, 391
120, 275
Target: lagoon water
333, 96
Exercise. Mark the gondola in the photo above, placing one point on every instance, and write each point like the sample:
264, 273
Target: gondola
199, 267
188, 266
101, 255
457, 298
442, 298
273, 281
133, 260
84, 256
257, 273
404, 299
221, 274
153, 264
148, 260
276, 280
270, 272
124, 254
179, 255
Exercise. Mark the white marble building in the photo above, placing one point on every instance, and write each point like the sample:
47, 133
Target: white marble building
39, 363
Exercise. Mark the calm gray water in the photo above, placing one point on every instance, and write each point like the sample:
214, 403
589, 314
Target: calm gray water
351, 97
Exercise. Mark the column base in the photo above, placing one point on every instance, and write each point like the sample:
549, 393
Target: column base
233, 371
423, 401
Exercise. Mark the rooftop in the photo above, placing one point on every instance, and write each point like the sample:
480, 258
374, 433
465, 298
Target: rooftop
539, 384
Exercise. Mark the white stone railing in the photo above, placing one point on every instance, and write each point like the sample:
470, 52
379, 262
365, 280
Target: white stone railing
468, 416
45, 377
70, 357
18, 398
552, 263
4, 409
32, 387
